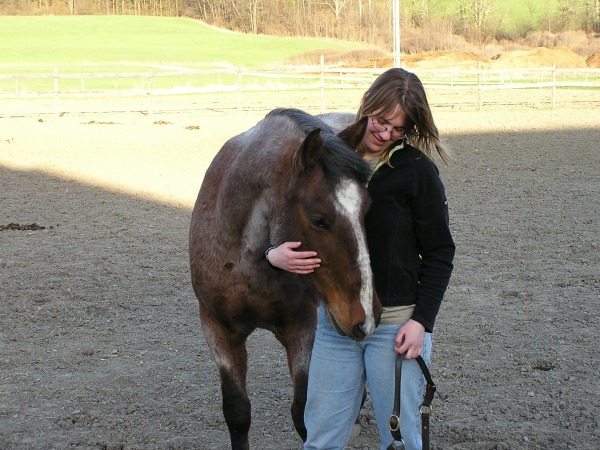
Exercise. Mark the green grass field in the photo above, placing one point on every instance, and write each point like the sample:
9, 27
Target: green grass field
510, 11
110, 40
135, 44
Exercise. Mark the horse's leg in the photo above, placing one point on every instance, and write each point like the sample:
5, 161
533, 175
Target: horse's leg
231, 357
298, 339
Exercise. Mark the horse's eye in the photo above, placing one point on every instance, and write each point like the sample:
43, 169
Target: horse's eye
318, 222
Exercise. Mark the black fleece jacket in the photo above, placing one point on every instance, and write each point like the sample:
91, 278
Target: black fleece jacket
410, 243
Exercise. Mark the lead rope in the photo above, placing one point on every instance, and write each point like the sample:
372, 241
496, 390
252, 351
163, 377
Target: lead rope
425, 408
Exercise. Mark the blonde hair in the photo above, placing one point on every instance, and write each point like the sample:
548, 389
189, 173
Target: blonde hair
398, 87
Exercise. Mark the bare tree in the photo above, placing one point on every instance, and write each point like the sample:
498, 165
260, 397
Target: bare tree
253, 11
474, 17
419, 12
336, 6
590, 19
567, 11
532, 10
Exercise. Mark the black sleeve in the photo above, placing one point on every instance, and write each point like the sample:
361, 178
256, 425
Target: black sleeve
269, 247
434, 241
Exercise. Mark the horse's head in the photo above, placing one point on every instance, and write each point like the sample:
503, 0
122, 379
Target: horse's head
328, 201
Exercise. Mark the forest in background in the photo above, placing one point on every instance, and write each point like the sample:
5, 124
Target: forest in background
481, 26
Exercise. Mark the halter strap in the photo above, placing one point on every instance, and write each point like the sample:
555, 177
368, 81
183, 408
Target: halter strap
424, 409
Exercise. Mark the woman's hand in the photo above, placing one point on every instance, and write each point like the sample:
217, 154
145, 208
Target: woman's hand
409, 339
286, 258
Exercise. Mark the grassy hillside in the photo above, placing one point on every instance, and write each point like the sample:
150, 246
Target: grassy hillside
510, 11
66, 40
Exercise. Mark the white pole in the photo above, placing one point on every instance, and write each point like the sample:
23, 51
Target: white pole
396, 31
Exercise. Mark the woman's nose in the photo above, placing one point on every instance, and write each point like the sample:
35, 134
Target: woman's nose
389, 133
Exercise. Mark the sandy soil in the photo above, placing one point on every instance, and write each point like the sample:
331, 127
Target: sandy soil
100, 341
561, 57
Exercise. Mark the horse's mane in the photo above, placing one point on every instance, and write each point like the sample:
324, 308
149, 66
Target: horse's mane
339, 160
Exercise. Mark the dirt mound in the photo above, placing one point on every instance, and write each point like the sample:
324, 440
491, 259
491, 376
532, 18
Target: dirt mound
593, 61
376, 63
354, 58
426, 60
441, 55
442, 59
562, 57
538, 57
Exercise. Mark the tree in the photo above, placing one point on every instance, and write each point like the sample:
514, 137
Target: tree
567, 11
592, 16
419, 12
253, 14
336, 6
532, 10
474, 17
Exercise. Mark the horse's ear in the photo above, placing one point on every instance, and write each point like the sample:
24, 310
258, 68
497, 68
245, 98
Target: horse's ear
354, 133
310, 151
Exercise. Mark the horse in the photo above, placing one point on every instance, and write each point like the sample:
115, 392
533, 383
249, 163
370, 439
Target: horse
288, 178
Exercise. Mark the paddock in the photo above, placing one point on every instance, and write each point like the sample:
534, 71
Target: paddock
100, 337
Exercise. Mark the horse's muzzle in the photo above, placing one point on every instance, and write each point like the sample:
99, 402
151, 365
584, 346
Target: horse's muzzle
357, 333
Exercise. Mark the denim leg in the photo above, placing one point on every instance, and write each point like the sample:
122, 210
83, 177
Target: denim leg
336, 382
380, 358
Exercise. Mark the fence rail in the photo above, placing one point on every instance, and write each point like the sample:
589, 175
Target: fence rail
60, 93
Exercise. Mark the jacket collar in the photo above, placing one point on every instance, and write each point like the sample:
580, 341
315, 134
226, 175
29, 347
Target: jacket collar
382, 162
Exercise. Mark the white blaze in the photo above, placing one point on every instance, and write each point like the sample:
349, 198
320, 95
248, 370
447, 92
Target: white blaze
348, 205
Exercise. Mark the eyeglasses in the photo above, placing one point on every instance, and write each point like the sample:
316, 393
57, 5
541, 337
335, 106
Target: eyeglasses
382, 126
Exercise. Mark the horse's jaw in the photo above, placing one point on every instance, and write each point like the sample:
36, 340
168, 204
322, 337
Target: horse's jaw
358, 332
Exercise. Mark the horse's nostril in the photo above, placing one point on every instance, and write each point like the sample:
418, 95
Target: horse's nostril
358, 332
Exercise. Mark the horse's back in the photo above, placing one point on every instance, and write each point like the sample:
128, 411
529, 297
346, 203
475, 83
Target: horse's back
337, 120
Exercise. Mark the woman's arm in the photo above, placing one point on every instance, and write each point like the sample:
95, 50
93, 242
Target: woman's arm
436, 245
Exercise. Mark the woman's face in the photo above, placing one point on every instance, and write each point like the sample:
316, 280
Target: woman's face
382, 131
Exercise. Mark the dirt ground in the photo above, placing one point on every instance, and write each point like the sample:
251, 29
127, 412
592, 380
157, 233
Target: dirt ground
561, 57
101, 348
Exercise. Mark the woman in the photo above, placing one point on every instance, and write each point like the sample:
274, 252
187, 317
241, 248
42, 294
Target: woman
411, 250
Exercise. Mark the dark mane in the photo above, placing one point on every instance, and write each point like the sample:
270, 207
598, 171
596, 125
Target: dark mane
340, 160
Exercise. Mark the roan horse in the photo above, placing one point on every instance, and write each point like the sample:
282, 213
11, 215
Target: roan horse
289, 178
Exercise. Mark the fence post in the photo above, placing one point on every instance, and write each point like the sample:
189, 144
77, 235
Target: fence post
478, 85
56, 91
239, 96
150, 100
322, 63
553, 85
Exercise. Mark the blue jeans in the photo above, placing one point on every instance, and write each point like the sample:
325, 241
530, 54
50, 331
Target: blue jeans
339, 370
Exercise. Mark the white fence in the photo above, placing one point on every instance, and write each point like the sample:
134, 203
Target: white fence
177, 90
